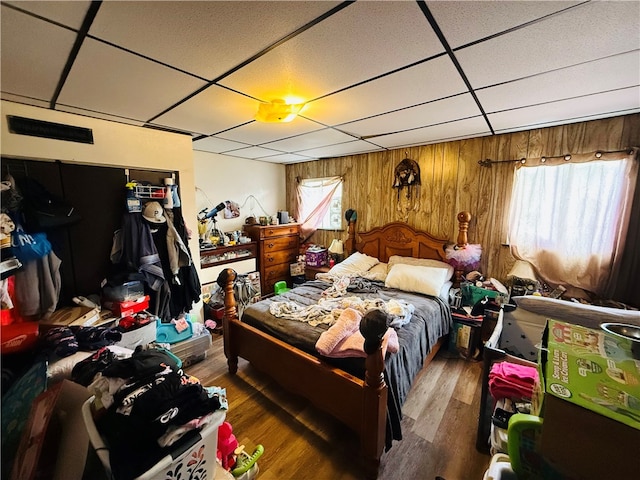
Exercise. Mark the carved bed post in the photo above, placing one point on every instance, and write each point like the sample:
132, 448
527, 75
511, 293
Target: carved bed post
463, 228
226, 280
372, 437
350, 244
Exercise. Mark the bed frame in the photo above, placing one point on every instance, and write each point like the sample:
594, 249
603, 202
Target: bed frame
360, 404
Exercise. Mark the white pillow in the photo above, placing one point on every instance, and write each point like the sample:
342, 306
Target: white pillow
417, 278
356, 263
377, 272
422, 262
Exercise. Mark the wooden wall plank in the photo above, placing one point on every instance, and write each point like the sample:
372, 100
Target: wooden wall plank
452, 181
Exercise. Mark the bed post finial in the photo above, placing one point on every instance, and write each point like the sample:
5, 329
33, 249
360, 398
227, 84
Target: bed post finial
463, 226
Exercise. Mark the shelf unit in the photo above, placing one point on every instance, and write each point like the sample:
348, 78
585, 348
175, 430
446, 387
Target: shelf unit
223, 254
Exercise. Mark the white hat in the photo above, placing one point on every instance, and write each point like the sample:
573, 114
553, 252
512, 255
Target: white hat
153, 212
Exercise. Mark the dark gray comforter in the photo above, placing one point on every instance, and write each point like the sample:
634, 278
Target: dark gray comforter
430, 321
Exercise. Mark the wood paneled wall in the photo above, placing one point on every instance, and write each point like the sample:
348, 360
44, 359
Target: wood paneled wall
452, 181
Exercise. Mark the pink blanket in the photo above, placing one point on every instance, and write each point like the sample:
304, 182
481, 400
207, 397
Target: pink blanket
343, 338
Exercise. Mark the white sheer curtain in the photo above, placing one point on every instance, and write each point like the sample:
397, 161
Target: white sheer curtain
569, 216
314, 197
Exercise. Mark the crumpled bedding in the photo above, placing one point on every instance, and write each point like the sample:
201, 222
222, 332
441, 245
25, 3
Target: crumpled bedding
343, 339
430, 321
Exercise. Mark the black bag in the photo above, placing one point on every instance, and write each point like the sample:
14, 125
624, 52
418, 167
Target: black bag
42, 210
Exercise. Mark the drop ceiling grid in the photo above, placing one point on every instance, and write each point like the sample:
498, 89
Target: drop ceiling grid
466, 22
347, 148
611, 73
325, 136
260, 133
556, 42
360, 42
99, 85
217, 145
211, 111
570, 110
182, 33
66, 13
440, 111
437, 78
34, 53
470, 127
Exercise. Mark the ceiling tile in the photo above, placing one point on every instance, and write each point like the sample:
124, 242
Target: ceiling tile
348, 148
211, 111
25, 100
440, 111
471, 127
362, 41
216, 145
286, 158
465, 22
103, 116
204, 38
560, 41
34, 53
609, 73
67, 13
123, 84
431, 80
257, 133
326, 136
566, 111
252, 152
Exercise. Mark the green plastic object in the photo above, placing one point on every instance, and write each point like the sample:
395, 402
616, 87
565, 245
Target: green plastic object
523, 445
245, 461
280, 287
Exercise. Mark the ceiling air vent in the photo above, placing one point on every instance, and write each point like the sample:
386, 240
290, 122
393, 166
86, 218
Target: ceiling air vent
57, 131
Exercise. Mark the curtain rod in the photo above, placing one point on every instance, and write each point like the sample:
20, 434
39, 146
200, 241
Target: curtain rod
488, 162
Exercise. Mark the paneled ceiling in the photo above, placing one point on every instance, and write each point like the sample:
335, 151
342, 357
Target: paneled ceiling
375, 75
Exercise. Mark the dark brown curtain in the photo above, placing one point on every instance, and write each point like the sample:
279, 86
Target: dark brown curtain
627, 286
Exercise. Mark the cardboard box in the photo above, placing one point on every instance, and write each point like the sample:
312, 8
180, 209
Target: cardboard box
582, 444
589, 397
590, 368
68, 316
464, 338
55, 442
139, 336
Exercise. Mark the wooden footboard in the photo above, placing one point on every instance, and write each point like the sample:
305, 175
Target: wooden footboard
359, 404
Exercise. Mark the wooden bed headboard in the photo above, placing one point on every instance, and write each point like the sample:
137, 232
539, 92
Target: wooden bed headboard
398, 238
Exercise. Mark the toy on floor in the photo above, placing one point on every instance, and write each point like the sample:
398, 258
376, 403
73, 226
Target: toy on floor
246, 466
227, 444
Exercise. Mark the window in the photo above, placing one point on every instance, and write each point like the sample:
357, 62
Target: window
320, 204
568, 219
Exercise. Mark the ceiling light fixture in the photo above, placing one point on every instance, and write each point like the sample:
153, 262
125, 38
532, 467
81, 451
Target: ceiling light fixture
278, 111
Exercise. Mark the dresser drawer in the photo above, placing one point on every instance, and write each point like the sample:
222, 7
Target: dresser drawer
283, 256
270, 245
271, 231
275, 274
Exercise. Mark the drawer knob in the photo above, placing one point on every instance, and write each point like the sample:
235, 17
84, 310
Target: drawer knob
271, 232
270, 259
270, 245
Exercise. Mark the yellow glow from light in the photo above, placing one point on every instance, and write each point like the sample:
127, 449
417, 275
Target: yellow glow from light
279, 111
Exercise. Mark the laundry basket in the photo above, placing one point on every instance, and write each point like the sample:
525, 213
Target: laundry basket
197, 461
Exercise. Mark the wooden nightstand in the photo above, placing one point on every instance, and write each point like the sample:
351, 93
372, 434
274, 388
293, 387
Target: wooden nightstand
310, 272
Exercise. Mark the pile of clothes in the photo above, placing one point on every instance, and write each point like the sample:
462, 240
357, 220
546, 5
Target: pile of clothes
147, 407
510, 380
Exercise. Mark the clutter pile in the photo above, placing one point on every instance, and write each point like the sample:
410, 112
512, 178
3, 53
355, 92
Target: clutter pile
146, 406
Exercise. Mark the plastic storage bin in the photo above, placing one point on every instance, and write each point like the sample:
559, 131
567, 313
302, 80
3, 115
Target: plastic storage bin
168, 333
196, 462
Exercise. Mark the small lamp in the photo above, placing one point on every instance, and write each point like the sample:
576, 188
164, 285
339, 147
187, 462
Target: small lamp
277, 111
336, 249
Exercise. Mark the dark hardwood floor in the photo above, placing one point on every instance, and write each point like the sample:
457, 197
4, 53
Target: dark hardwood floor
302, 442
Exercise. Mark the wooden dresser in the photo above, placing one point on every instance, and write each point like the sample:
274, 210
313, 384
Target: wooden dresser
278, 247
